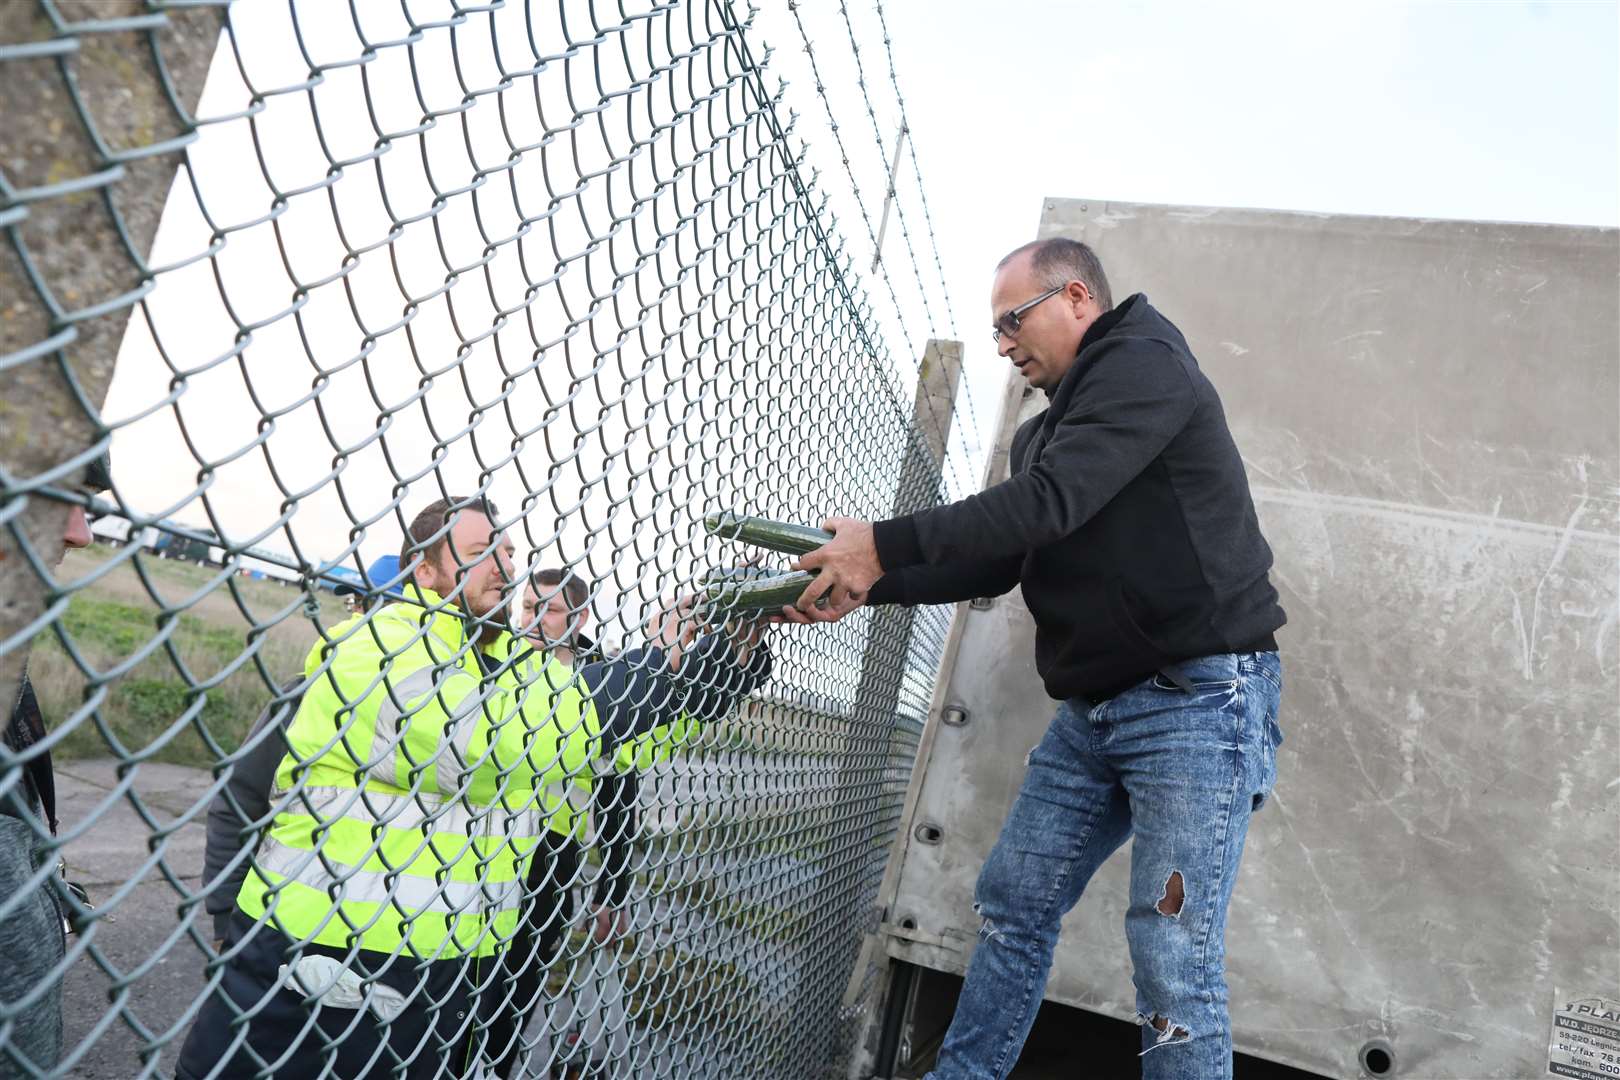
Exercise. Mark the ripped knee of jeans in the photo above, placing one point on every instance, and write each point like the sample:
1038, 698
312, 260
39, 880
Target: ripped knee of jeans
988, 930
1168, 1032
1175, 894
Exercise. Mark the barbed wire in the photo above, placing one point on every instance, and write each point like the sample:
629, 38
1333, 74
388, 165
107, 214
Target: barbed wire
905, 126
960, 483
916, 166
928, 219
889, 171
843, 153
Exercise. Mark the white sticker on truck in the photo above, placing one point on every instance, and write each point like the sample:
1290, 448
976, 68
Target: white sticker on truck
1585, 1037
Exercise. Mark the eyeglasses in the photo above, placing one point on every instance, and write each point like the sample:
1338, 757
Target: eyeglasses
1010, 322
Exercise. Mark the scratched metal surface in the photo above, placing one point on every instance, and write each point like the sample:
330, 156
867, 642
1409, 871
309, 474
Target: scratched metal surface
1430, 415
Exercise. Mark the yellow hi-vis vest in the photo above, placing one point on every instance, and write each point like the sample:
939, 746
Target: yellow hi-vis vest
410, 796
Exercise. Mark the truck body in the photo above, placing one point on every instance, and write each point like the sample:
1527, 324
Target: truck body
1429, 412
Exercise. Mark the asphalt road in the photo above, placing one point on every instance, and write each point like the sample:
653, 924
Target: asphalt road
126, 1000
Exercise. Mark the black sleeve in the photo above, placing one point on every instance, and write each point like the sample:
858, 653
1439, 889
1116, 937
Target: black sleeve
912, 585
633, 693
242, 806
615, 815
1136, 396
712, 681
551, 877
25, 728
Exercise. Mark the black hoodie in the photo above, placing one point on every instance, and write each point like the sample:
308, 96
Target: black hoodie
1127, 519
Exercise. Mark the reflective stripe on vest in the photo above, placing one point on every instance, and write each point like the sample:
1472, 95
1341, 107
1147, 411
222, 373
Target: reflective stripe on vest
346, 883
320, 871
373, 807
405, 700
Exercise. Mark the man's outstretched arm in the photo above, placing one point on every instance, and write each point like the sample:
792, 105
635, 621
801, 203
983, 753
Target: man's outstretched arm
912, 586
1138, 396
950, 584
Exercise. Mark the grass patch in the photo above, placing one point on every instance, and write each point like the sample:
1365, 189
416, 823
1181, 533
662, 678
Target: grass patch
726, 904
749, 737
769, 729
114, 629
106, 626
675, 989
110, 621
801, 834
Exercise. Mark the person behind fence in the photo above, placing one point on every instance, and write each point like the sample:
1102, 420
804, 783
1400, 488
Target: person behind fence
36, 903
405, 812
1129, 523
362, 953
241, 809
553, 614
639, 716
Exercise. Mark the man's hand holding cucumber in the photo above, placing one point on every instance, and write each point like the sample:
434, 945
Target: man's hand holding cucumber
838, 564
847, 568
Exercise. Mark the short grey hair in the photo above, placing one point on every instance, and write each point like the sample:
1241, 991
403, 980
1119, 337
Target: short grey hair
1060, 260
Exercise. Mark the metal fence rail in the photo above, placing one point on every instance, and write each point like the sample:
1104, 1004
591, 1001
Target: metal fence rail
559, 264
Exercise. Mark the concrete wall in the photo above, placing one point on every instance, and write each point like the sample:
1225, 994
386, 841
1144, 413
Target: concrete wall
1430, 415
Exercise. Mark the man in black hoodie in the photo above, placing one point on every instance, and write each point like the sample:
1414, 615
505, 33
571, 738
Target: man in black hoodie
1128, 521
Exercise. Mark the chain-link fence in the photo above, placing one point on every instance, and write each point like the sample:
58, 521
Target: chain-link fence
513, 294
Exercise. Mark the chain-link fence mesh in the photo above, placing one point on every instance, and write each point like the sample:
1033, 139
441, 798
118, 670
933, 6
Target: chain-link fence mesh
557, 266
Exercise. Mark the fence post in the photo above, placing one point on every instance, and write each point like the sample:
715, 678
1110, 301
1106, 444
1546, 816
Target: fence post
922, 484
869, 747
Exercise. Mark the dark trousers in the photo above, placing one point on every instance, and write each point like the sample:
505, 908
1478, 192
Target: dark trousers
510, 984
234, 1037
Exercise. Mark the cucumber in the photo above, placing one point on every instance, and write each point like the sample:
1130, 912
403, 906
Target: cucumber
736, 574
754, 588
765, 533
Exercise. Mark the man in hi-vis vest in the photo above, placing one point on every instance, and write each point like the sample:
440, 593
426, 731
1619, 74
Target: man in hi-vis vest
406, 811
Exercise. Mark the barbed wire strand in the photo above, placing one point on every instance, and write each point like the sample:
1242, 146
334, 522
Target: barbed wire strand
843, 151
933, 238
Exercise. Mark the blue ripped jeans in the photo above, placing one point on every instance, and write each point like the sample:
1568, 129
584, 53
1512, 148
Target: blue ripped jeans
1182, 773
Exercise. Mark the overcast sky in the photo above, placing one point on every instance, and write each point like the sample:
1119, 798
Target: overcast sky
1461, 110
1487, 110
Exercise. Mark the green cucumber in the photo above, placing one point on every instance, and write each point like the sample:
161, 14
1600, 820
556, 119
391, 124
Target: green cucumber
765, 533
754, 588
739, 574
